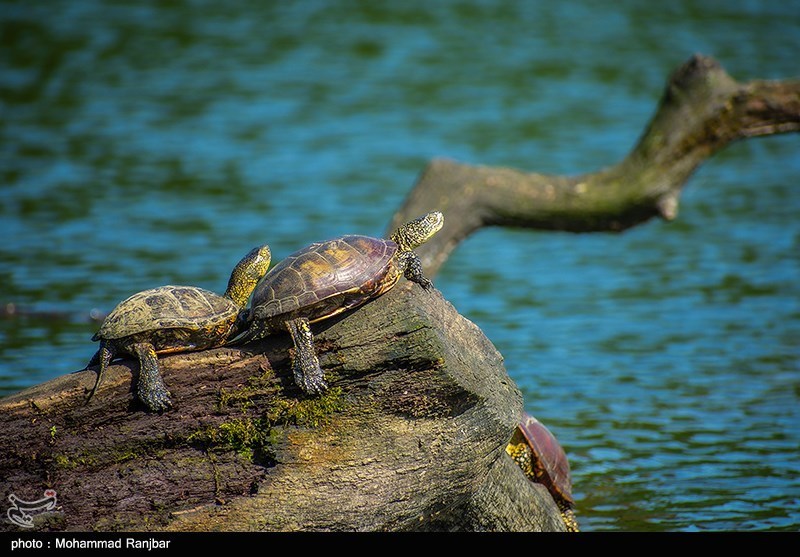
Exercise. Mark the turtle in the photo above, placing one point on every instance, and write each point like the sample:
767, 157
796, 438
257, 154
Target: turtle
540, 456
327, 278
171, 319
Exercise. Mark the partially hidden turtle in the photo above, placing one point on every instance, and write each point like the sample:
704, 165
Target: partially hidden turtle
172, 319
536, 450
326, 278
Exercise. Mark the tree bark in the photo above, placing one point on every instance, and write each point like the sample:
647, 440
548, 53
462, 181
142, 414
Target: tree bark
412, 434
702, 110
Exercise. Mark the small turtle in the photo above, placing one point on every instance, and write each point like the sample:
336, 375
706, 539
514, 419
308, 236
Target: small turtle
327, 278
544, 461
173, 319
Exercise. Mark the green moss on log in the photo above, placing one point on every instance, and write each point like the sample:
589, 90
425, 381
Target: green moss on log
308, 412
257, 386
252, 438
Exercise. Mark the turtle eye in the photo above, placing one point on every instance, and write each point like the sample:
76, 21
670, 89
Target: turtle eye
435, 219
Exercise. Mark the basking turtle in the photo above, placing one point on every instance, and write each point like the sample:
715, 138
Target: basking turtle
172, 319
543, 460
327, 278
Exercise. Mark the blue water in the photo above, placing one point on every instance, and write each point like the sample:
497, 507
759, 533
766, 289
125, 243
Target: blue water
143, 144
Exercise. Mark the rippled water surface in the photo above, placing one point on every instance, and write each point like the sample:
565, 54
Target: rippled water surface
151, 143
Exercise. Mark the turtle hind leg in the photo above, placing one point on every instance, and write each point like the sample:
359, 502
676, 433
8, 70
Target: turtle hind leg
307, 373
103, 356
150, 388
412, 269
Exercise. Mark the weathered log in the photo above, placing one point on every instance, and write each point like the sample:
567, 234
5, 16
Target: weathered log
702, 110
411, 436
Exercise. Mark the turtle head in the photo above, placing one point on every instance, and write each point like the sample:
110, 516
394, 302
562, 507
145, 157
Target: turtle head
247, 273
418, 231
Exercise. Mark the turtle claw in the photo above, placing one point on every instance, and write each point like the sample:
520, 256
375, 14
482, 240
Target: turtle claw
310, 379
157, 400
426, 285
314, 386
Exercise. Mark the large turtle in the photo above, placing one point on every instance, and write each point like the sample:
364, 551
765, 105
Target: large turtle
327, 278
536, 450
172, 319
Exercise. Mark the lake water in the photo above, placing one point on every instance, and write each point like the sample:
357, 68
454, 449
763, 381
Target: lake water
145, 144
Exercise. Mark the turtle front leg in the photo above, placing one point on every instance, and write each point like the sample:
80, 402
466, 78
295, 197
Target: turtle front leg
150, 388
412, 269
307, 373
568, 516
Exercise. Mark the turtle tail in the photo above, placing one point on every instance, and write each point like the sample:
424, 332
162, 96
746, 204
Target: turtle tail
103, 356
94, 361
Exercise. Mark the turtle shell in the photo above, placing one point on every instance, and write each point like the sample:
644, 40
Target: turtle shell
169, 307
548, 459
327, 278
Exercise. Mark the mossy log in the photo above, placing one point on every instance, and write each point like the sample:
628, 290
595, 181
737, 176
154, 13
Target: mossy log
411, 435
